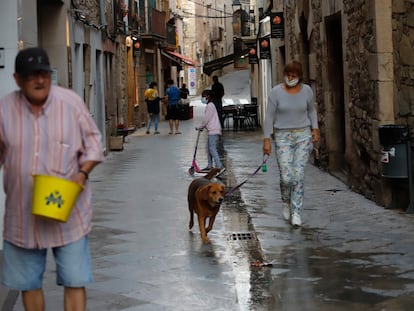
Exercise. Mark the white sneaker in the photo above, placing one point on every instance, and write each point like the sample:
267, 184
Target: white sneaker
296, 221
286, 211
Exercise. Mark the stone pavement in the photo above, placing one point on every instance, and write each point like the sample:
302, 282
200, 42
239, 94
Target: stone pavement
143, 254
363, 249
341, 259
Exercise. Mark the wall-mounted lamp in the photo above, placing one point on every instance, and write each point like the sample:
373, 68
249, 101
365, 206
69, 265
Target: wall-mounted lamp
236, 5
236, 23
136, 46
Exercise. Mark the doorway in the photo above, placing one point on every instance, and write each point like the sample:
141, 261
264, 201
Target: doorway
335, 127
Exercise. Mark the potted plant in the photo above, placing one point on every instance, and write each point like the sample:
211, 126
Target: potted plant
124, 9
116, 142
122, 129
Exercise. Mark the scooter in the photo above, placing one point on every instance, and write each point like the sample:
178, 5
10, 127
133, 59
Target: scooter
194, 167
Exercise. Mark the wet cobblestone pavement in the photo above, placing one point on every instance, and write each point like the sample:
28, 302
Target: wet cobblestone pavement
350, 253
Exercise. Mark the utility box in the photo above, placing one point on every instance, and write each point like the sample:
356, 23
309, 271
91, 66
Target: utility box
395, 142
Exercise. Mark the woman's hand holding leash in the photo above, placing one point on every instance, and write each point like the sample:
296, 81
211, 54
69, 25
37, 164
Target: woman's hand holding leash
267, 146
315, 135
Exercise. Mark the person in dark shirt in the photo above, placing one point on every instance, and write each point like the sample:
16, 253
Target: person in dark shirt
218, 90
184, 93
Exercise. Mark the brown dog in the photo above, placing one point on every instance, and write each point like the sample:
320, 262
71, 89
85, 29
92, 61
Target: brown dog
204, 199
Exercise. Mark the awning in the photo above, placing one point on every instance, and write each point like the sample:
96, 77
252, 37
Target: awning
221, 62
179, 58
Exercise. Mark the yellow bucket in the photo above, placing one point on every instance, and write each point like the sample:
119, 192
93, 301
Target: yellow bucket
54, 197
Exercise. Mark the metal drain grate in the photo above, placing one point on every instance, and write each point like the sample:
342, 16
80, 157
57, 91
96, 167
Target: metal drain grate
242, 236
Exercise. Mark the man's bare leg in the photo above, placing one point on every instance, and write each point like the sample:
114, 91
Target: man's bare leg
170, 122
177, 126
75, 299
33, 300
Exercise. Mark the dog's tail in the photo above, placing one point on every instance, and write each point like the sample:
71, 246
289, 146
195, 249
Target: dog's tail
213, 172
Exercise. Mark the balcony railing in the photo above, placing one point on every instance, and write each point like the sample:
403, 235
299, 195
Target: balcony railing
157, 22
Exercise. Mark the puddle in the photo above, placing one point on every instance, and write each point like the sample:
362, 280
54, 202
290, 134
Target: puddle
310, 266
321, 277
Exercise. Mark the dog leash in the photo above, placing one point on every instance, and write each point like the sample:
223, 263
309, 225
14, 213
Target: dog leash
265, 157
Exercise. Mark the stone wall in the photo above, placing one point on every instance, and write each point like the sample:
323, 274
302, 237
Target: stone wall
378, 77
403, 41
362, 78
362, 99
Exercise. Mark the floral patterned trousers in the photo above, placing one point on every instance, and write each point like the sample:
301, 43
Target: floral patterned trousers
293, 149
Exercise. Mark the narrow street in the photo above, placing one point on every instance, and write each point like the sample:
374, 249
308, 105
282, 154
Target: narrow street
350, 253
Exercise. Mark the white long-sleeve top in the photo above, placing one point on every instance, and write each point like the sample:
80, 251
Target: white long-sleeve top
211, 120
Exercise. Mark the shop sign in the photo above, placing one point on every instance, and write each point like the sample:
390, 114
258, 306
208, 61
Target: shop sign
277, 21
253, 59
264, 48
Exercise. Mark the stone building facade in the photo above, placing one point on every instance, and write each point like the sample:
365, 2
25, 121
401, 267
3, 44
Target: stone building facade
207, 35
358, 57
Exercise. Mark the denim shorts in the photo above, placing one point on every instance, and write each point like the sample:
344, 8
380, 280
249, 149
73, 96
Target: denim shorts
23, 269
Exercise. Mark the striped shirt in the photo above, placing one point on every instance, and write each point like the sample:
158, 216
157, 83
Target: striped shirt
56, 142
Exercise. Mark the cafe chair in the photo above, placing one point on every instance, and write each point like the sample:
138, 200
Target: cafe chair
251, 115
239, 118
228, 113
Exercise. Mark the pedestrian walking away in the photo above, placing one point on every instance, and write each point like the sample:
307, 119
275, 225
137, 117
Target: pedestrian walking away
173, 114
211, 122
184, 93
218, 90
46, 130
291, 114
153, 107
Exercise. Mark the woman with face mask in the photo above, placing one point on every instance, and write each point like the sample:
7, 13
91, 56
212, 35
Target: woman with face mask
292, 116
211, 122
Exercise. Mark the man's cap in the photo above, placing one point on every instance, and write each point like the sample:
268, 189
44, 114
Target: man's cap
31, 60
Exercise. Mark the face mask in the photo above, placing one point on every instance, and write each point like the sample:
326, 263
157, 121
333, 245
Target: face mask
291, 83
203, 100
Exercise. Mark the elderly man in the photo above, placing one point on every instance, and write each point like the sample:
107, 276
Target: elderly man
45, 130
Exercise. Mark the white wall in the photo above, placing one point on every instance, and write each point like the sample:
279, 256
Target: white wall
8, 41
93, 39
19, 19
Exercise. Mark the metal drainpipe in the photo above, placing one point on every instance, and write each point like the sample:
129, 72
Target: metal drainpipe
102, 13
20, 43
147, 27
